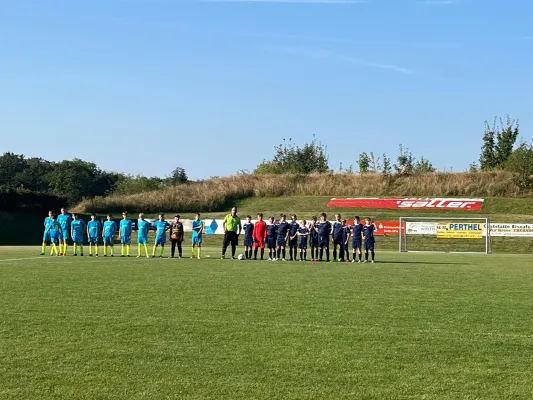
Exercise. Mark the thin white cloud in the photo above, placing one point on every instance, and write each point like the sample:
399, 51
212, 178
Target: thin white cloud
288, 1
326, 54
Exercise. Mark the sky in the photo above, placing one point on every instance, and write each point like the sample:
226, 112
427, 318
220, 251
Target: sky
144, 86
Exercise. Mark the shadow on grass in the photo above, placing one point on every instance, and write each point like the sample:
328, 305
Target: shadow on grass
421, 262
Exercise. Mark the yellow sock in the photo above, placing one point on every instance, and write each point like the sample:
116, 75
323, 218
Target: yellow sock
96, 249
138, 249
112, 250
146, 249
105, 249
122, 250
53, 250
65, 249
162, 250
153, 250
199, 251
81, 248
75, 248
128, 246
90, 248
192, 251
43, 248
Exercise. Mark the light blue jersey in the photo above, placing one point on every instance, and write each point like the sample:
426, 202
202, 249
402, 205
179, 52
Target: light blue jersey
65, 220
78, 227
54, 231
94, 228
47, 222
110, 227
125, 231
143, 227
161, 231
197, 231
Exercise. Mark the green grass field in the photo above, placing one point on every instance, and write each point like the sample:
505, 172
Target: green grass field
412, 326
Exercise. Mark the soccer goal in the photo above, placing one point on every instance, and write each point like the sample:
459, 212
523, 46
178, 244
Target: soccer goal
444, 235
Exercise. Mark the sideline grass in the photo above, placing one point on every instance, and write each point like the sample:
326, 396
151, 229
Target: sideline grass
410, 327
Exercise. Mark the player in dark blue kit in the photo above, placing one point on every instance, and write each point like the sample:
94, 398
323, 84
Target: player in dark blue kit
248, 229
283, 235
293, 237
368, 237
344, 253
357, 238
324, 232
272, 234
313, 239
337, 236
303, 238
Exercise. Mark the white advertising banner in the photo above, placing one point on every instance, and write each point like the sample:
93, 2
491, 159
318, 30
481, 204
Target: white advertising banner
496, 229
420, 228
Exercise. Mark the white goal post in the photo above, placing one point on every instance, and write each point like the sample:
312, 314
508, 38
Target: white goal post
445, 235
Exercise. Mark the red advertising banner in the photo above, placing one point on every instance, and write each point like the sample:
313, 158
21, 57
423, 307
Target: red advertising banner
384, 227
418, 203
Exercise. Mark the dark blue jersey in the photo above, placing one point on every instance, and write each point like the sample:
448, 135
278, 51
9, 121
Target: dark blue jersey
337, 230
248, 229
368, 232
345, 233
324, 228
313, 232
357, 231
272, 231
293, 228
283, 228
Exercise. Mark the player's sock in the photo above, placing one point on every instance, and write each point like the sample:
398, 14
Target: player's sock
65, 246
53, 250
366, 255
112, 250
278, 253
262, 253
122, 250
75, 248
105, 249
192, 251
81, 249
146, 249
139, 249
233, 249
283, 252
360, 256
199, 252
372, 254
334, 253
162, 250
153, 250
96, 249
43, 248
305, 255
327, 254
180, 250
128, 248
321, 254
90, 249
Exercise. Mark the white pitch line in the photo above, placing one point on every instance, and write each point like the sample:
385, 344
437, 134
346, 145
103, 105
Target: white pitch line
21, 259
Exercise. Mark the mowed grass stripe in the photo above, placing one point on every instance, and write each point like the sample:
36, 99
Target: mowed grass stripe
418, 326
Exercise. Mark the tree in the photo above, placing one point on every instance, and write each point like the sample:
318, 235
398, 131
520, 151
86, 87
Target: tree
375, 163
498, 143
177, 177
423, 166
364, 163
386, 167
520, 163
289, 158
405, 161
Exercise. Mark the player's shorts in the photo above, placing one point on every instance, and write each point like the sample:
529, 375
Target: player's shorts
281, 241
77, 239
160, 240
271, 243
93, 240
109, 239
125, 239
142, 239
293, 242
323, 241
314, 241
46, 236
259, 243
248, 242
54, 238
302, 244
337, 240
370, 244
356, 244
197, 239
65, 235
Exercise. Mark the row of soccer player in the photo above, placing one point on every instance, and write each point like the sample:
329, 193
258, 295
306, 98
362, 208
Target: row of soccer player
276, 236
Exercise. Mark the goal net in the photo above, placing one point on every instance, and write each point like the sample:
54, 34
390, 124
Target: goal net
446, 235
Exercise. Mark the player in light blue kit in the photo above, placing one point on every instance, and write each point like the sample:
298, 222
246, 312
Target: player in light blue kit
54, 232
46, 234
161, 227
197, 232
110, 228
64, 220
94, 228
143, 226
125, 234
77, 228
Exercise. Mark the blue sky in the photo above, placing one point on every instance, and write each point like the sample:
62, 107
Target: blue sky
182, 82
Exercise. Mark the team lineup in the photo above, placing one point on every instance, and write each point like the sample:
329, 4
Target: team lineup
275, 236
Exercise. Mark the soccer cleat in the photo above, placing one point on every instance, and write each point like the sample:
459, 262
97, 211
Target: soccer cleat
122, 255
365, 261
353, 260
147, 256
96, 255
152, 256
75, 255
372, 261
105, 255
255, 259
112, 255
223, 257
90, 255
160, 256
283, 259
269, 259
81, 254
42, 254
